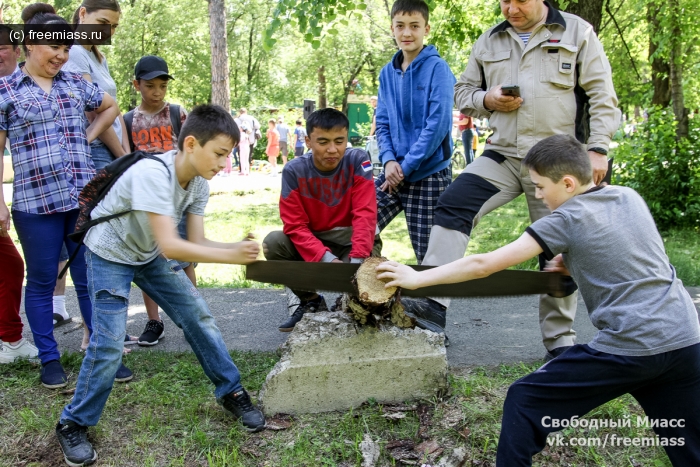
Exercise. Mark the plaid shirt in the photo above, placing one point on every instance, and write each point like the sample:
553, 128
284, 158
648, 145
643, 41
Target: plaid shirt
50, 152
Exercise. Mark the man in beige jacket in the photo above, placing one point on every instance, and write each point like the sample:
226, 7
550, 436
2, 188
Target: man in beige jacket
560, 82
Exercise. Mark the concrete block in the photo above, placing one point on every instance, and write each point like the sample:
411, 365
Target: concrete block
331, 363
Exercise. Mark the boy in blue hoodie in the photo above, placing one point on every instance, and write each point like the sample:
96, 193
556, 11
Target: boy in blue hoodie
414, 123
414, 119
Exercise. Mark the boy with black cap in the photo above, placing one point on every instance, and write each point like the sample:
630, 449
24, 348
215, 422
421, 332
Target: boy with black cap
154, 127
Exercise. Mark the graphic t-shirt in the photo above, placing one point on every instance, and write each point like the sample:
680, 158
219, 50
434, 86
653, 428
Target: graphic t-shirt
154, 132
146, 187
300, 133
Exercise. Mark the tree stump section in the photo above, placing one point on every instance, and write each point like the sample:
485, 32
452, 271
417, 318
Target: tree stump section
374, 303
330, 363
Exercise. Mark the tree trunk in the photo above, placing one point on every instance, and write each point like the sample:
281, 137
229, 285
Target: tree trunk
660, 69
590, 10
221, 93
250, 50
676, 71
322, 97
348, 84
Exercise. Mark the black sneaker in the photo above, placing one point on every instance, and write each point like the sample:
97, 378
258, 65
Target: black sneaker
428, 314
554, 353
59, 320
240, 406
123, 374
77, 450
311, 306
153, 332
53, 376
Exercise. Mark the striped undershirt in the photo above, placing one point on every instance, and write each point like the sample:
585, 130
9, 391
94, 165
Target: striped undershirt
524, 36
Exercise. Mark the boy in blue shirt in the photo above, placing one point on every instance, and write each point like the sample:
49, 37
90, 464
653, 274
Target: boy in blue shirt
648, 343
143, 246
414, 124
299, 138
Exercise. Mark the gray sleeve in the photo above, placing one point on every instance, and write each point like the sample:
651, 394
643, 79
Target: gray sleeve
78, 62
152, 190
552, 234
201, 197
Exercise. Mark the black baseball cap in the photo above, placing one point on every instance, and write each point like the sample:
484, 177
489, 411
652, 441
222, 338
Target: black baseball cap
150, 67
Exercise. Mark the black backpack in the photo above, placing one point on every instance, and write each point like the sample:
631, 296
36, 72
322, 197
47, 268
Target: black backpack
96, 190
174, 121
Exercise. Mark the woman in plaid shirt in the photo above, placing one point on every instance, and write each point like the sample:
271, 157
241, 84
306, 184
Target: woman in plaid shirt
42, 111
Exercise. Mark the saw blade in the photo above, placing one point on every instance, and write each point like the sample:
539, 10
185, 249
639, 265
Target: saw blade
339, 278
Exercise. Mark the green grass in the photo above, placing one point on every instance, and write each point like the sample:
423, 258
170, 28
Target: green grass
167, 416
683, 249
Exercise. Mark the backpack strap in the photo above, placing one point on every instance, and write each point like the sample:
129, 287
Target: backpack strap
128, 121
79, 237
175, 120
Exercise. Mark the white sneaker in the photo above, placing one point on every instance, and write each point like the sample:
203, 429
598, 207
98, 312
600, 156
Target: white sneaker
23, 349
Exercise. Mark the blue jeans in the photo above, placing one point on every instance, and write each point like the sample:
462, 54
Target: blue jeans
235, 158
101, 155
467, 140
166, 283
581, 379
42, 237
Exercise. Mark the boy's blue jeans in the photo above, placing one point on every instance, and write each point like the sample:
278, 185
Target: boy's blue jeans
165, 282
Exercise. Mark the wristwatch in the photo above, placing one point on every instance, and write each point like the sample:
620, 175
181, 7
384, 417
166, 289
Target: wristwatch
601, 151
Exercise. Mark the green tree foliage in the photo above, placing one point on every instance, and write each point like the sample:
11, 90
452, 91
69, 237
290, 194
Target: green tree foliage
176, 31
663, 169
276, 47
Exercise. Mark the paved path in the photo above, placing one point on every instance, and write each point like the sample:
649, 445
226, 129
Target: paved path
482, 331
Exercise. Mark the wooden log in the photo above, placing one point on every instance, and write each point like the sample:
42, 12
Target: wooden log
371, 291
374, 303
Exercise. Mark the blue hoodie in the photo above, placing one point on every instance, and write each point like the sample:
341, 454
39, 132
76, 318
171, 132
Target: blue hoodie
414, 114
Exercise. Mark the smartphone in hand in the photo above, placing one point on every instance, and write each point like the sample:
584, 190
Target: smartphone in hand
511, 90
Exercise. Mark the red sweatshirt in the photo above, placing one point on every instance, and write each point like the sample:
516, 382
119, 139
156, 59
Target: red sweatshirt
339, 206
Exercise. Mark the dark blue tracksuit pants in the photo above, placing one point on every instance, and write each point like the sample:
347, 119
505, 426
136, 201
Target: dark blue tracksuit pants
667, 386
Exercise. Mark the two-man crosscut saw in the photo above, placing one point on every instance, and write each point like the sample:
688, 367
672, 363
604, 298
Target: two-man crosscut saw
337, 277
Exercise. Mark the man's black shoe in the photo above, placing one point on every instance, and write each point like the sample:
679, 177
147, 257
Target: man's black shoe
554, 353
428, 314
239, 405
310, 306
77, 450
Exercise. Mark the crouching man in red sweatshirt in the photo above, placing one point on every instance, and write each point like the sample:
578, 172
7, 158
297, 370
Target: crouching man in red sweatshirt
328, 205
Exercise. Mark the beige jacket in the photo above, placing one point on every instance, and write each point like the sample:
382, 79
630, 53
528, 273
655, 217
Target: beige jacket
562, 67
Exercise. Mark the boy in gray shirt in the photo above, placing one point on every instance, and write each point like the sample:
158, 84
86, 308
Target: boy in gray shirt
143, 246
648, 343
